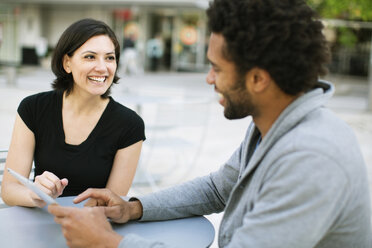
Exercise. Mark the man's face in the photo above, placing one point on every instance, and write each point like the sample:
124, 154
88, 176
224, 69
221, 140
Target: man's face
231, 87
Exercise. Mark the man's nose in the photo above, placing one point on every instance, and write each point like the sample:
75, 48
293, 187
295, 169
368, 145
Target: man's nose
210, 77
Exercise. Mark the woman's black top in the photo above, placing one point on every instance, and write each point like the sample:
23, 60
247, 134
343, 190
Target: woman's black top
85, 165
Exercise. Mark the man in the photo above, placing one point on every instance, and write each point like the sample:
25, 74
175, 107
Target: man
155, 49
297, 180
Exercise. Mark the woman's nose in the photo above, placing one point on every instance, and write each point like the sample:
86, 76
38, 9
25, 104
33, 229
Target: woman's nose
101, 65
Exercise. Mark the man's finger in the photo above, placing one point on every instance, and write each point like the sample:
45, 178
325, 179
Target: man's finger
91, 203
93, 193
115, 214
59, 211
58, 220
110, 212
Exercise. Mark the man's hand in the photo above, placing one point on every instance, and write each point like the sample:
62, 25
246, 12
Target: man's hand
114, 206
85, 227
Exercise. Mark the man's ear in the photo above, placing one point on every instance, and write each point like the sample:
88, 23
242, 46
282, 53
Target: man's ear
257, 80
66, 63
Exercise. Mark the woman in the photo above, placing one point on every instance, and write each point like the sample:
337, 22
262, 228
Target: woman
77, 135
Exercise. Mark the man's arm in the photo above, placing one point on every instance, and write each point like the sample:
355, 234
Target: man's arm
201, 196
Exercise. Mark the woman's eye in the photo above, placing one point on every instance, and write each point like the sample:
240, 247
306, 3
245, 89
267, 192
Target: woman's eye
111, 57
89, 57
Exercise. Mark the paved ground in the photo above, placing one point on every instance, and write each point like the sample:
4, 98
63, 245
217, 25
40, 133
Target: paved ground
221, 137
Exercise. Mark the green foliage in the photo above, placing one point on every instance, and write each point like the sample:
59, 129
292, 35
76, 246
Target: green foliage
347, 37
343, 9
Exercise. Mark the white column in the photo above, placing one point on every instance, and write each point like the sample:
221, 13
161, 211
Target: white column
369, 107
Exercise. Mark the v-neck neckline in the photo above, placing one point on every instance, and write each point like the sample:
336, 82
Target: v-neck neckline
91, 135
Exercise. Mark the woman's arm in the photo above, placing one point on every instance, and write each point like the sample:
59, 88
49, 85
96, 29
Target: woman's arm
20, 157
124, 169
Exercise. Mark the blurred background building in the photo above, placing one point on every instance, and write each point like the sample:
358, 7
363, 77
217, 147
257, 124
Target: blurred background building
30, 29
350, 43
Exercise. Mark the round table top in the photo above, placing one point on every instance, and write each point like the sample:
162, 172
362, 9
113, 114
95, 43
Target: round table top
35, 227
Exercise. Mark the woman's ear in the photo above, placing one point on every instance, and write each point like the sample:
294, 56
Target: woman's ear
66, 63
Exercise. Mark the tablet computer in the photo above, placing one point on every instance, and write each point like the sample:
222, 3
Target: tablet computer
31, 185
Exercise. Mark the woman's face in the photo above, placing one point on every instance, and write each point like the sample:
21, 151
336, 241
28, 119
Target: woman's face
93, 66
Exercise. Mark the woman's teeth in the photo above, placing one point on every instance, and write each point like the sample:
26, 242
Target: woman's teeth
97, 79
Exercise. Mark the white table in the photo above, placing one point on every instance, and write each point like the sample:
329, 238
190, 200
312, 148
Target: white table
35, 227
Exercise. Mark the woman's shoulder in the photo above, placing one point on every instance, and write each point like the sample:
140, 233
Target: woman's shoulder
37, 107
42, 97
123, 110
124, 113
40, 102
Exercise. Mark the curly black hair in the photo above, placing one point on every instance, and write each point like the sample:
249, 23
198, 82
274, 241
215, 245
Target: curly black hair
283, 37
73, 38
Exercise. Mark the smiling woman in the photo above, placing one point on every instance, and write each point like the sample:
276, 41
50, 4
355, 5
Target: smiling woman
92, 66
77, 135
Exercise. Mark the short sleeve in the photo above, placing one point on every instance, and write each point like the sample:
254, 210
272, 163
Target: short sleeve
27, 112
133, 133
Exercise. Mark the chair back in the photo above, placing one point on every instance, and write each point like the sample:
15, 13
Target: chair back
3, 154
175, 137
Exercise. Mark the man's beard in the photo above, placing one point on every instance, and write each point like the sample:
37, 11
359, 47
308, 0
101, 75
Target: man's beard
238, 102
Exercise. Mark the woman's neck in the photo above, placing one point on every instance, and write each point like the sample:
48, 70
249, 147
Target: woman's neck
83, 104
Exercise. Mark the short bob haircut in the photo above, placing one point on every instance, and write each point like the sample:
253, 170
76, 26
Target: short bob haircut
73, 38
283, 37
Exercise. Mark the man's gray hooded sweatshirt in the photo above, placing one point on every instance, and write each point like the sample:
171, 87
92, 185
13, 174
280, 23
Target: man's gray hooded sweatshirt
304, 186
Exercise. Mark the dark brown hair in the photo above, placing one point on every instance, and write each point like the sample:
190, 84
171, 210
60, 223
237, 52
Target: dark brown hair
73, 38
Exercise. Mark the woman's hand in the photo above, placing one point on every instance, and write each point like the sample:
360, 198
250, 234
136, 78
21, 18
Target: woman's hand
50, 184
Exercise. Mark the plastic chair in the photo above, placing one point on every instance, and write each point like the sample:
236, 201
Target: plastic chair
3, 154
175, 138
